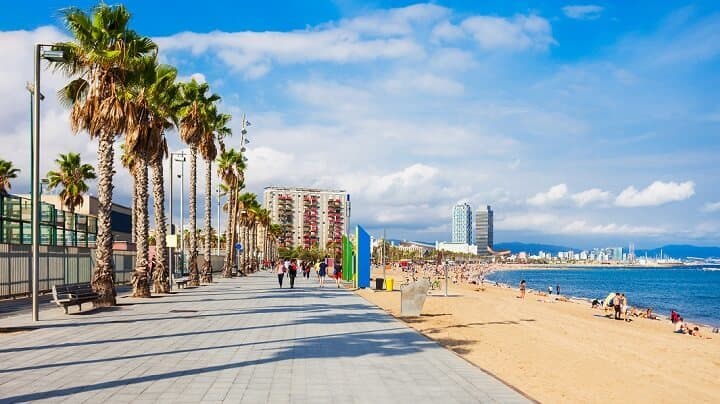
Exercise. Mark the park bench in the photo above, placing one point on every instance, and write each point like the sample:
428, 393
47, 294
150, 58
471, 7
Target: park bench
181, 282
73, 294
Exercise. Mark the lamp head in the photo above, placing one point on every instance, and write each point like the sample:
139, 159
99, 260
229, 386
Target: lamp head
53, 55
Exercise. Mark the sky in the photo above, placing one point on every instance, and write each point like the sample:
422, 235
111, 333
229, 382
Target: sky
581, 123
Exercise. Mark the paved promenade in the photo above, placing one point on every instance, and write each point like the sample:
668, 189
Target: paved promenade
238, 340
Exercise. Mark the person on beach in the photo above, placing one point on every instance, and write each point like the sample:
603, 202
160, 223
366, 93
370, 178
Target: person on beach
280, 271
292, 272
322, 272
616, 305
624, 307
522, 289
557, 289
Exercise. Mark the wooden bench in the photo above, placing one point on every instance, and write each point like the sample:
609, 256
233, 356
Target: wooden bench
73, 294
181, 282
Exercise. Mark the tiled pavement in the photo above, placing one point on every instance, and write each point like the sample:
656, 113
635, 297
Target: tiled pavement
238, 340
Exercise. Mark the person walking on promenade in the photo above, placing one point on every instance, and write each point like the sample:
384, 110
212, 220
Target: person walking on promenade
522, 289
306, 269
322, 272
337, 274
280, 271
292, 272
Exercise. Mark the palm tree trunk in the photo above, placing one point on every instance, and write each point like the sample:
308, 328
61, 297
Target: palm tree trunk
207, 265
161, 276
133, 211
230, 230
140, 279
194, 276
103, 281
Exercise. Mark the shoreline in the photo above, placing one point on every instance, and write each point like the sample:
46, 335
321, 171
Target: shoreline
552, 349
708, 323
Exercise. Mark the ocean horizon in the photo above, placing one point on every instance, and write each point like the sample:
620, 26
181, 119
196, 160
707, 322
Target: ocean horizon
693, 291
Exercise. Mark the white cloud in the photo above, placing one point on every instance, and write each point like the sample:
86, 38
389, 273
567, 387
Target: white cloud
199, 77
582, 227
526, 221
428, 83
711, 207
552, 195
656, 194
522, 32
591, 195
446, 31
583, 12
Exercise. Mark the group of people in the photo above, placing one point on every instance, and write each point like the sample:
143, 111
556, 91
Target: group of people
291, 268
681, 327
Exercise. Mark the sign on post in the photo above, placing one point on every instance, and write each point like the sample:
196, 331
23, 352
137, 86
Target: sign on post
238, 246
172, 240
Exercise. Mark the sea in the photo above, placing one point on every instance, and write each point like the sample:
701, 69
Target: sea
692, 291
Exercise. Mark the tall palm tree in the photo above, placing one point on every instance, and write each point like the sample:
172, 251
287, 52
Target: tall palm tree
231, 170
103, 53
247, 202
165, 104
217, 130
194, 125
7, 173
71, 174
146, 142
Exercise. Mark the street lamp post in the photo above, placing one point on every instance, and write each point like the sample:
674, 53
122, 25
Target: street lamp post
217, 232
55, 56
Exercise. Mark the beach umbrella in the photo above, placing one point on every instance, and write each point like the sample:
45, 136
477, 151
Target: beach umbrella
608, 299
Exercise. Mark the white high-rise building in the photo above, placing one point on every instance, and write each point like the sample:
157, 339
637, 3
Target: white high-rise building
309, 217
484, 230
462, 223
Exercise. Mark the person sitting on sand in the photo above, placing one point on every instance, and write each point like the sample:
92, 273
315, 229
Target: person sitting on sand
649, 314
680, 326
595, 303
696, 333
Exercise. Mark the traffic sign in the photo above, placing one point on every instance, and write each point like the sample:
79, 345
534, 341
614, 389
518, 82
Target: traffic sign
238, 246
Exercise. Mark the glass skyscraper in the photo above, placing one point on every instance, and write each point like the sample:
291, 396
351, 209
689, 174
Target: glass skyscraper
462, 224
484, 230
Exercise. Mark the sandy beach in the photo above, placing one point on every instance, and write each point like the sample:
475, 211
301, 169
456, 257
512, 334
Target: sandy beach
557, 351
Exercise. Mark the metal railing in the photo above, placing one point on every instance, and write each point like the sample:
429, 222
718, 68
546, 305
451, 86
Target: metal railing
60, 265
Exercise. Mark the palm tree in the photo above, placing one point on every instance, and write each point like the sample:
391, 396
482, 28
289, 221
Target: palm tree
145, 141
165, 104
217, 130
71, 174
102, 55
231, 170
194, 125
7, 172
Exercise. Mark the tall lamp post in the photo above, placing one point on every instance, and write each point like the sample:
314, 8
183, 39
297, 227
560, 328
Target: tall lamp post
53, 56
217, 232
180, 157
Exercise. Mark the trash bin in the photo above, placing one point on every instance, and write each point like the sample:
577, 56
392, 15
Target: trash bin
389, 284
379, 283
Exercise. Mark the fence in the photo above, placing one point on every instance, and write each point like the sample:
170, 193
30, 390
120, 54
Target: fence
60, 265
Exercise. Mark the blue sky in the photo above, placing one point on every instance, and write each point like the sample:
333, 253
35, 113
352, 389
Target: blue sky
590, 123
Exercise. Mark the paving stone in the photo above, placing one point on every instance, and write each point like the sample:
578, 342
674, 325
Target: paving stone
245, 340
